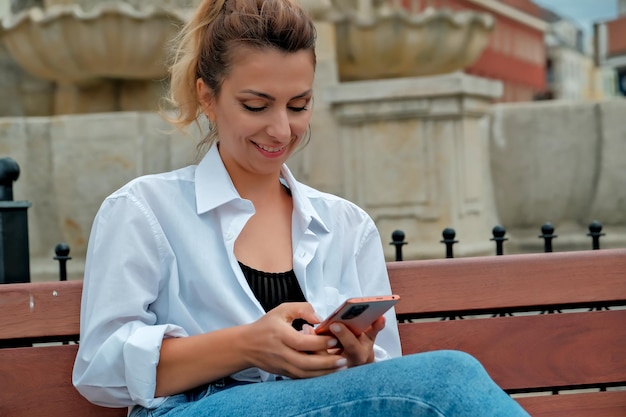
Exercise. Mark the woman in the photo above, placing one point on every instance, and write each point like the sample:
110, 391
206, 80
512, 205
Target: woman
202, 284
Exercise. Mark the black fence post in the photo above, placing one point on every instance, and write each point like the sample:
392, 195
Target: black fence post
595, 231
397, 239
62, 251
448, 239
547, 234
498, 233
14, 256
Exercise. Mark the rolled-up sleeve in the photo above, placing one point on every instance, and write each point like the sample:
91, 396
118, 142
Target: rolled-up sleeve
141, 359
119, 337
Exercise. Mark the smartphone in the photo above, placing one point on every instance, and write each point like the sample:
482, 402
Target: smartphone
358, 313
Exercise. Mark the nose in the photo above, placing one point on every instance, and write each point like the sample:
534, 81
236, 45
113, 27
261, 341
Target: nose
279, 126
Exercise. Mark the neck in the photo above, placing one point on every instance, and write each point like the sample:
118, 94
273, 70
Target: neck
254, 186
259, 189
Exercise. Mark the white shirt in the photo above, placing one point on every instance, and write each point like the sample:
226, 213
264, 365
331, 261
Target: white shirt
161, 263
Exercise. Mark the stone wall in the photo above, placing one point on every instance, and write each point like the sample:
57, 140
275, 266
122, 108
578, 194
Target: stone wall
69, 164
560, 162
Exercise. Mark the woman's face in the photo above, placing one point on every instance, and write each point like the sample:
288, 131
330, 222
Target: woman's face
262, 110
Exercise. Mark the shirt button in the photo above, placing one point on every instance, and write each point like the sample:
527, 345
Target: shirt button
229, 236
303, 254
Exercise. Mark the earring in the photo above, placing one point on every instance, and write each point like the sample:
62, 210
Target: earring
210, 122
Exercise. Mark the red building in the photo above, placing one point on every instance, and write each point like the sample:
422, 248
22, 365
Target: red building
610, 48
516, 53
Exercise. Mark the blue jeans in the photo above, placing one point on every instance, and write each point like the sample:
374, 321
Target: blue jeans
433, 384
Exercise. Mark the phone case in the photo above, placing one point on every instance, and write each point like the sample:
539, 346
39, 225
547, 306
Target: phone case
358, 313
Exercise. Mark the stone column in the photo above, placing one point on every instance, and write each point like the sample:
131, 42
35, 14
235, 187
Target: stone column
416, 157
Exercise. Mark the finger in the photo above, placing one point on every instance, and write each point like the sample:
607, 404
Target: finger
357, 350
332, 344
299, 363
335, 351
300, 341
375, 328
307, 329
292, 311
306, 340
307, 366
347, 340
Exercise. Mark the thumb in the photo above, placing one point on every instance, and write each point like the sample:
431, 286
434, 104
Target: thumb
304, 311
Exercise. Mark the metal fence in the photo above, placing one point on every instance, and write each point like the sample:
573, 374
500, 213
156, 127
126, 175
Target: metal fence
499, 237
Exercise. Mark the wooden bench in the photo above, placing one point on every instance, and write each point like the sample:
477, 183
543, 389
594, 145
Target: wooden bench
524, 352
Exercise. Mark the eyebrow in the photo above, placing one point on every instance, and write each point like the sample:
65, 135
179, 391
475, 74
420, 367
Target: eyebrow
269, 97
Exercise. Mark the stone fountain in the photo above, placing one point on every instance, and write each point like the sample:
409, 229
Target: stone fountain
376, 39
102, 56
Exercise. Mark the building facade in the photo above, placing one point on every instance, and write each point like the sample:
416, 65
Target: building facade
570, 69
515, 54
610, 47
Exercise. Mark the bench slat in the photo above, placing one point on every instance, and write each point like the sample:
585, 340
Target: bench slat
502, 282
37, 381
598, 404
40, 309
556, 350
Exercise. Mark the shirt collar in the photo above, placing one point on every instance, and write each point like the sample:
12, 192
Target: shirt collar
303, 207
213, 184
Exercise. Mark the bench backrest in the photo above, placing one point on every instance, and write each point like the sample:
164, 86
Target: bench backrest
522, 352
526, 352
37, 381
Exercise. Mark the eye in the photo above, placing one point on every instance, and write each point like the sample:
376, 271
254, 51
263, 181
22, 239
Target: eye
253, 108
299, 105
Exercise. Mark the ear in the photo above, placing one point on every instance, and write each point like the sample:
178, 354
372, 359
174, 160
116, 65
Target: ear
205, 97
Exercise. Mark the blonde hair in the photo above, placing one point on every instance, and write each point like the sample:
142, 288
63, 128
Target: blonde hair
206, 46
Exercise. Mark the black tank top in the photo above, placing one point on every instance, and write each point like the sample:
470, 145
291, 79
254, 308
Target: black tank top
273, 288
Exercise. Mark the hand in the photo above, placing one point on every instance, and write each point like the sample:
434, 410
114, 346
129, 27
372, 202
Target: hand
358, 350
275, 346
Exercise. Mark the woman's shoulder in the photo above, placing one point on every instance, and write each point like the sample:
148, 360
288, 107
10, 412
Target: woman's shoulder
157, 184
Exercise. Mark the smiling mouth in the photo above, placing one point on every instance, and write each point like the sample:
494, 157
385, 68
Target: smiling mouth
269, 148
